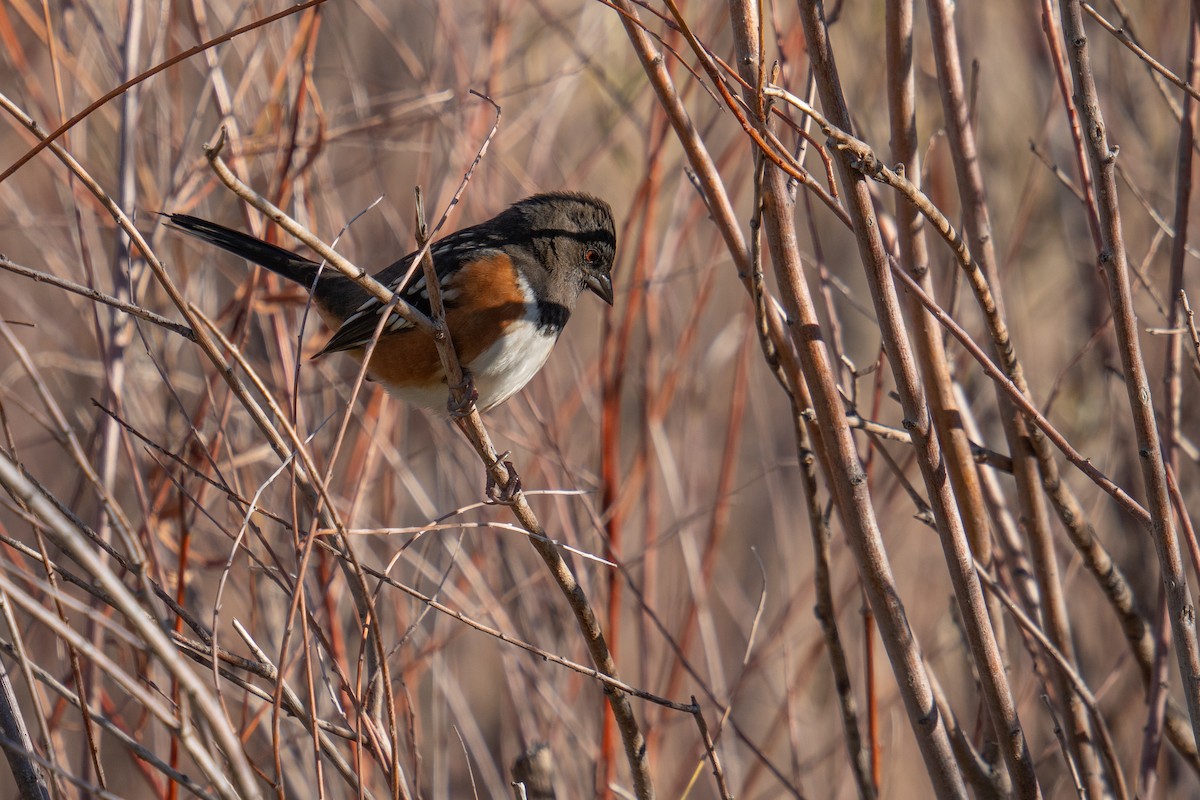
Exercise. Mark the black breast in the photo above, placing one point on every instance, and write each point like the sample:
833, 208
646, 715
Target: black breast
552, 317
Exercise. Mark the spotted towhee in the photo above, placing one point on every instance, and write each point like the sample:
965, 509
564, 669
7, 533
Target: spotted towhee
508, 285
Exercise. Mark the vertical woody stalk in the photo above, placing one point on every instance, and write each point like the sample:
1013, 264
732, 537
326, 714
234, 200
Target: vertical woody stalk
1158, 717
835, 447
968, 593
1031, 503
839, 457
1102, 158
927, 334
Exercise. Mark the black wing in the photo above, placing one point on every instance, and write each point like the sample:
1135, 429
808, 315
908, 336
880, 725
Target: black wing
448, 255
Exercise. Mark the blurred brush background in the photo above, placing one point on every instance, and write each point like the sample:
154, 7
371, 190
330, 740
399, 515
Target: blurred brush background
656, 436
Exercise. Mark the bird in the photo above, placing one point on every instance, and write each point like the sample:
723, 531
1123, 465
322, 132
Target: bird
508, 285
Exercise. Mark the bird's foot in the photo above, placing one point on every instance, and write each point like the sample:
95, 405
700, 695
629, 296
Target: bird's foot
462, 397
507, 494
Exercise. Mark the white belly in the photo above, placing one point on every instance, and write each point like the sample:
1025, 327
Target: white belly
499, 372
504, 368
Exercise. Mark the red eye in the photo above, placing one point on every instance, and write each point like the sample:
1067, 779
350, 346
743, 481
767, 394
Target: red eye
590, 256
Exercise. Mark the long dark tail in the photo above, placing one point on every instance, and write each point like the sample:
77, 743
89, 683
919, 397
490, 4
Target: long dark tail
282, 262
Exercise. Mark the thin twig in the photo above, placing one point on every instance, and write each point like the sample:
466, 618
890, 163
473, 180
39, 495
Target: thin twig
98, 296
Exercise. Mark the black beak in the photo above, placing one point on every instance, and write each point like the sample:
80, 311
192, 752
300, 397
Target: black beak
601, 286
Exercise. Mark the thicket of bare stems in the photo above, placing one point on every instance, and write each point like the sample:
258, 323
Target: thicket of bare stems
876, 481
